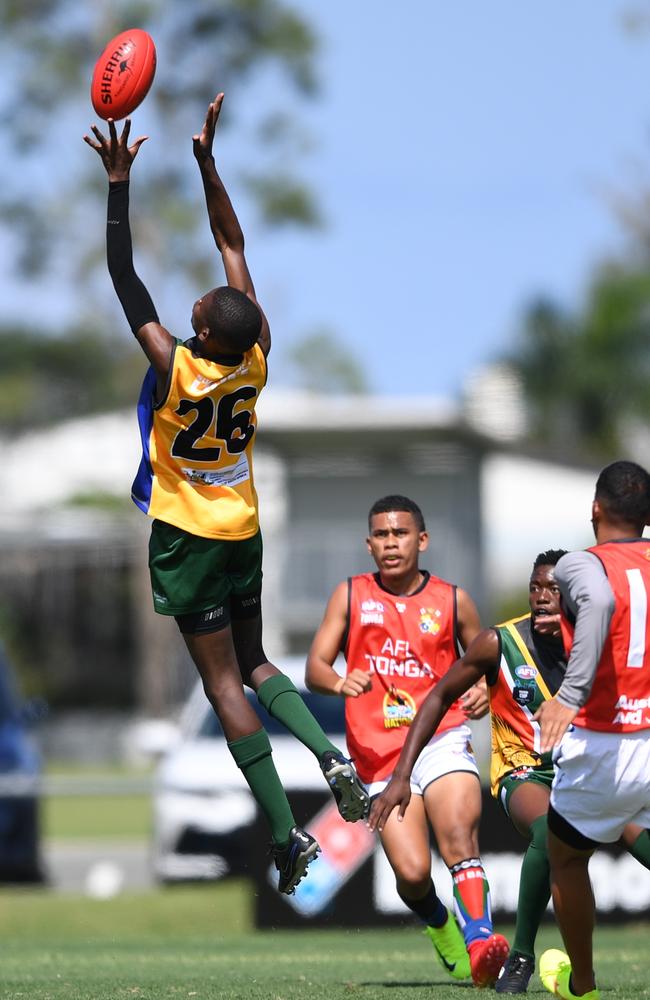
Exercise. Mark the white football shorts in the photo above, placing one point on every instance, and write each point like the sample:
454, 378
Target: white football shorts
448, 752
602, 782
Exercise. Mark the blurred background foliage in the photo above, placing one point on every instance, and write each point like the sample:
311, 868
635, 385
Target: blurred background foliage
586, 373
46, 378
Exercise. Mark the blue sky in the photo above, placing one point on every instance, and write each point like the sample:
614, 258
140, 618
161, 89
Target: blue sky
464, 152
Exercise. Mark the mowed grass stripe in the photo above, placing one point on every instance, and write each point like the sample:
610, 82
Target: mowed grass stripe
198, 942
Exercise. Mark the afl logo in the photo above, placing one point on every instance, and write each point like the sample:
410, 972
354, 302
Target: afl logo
526, 673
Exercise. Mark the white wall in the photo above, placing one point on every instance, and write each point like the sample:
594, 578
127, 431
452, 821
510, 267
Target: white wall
530, 506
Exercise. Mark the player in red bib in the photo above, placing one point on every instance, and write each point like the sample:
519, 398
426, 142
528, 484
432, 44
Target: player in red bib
603, 759
399, 629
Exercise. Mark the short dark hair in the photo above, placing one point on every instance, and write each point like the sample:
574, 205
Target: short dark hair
396, 502
549, 558
623, 490
233, 318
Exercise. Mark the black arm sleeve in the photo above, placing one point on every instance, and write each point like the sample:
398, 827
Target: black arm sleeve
136, 301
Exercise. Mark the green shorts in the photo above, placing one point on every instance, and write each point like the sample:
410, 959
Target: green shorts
192, 574
543, 775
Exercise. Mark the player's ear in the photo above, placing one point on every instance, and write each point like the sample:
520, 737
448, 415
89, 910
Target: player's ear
596, 514
423, 541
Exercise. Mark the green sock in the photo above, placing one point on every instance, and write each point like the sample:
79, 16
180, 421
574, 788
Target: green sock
281, 699
640, 849
252, 756
534, 890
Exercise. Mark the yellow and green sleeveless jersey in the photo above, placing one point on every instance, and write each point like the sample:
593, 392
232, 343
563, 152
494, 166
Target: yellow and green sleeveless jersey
530, 671
196, 470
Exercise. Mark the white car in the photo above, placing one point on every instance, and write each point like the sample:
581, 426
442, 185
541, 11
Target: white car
203, 810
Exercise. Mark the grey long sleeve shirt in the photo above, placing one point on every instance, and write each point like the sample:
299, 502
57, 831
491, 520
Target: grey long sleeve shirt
588, 595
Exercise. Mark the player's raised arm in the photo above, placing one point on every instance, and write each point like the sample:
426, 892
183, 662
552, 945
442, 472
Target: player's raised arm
481, 657
320, 675
117, 157
224, 223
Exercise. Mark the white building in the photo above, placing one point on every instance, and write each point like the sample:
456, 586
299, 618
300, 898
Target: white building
320, 463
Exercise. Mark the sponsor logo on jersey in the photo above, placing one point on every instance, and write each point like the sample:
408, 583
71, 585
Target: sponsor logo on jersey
630, 711
523, 694
526, 672
399, 708
401, 607
231, 475
372, 612
374, 618
202, 383
631, 704
428, 621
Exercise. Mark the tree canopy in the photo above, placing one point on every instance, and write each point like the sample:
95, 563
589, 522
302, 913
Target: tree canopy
322, 363
586, 372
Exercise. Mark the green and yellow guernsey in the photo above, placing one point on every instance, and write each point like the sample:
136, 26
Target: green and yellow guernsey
530, 671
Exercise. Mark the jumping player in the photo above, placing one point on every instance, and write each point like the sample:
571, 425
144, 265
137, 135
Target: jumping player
399, 629
603, 761
197, 423
523, 662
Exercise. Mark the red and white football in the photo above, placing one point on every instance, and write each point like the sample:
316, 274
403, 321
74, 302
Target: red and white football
123, 74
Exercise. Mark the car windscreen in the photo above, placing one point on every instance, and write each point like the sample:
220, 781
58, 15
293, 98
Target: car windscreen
329, 712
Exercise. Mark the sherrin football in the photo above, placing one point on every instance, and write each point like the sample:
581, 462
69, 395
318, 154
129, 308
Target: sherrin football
123, 74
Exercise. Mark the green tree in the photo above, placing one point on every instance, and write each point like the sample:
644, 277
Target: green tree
322, 364
45, 379
586, 373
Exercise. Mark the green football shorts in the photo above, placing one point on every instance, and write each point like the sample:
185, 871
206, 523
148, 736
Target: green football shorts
543, 775
191, 574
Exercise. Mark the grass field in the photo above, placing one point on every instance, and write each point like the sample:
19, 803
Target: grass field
107, 817
197, 942
101, 815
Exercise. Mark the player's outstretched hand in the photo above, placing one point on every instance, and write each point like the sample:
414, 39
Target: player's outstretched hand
397, 793
116, 154
554, 719
476, 701
357, 682
202, 143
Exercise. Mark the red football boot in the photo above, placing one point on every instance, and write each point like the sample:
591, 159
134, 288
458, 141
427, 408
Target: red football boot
486, 956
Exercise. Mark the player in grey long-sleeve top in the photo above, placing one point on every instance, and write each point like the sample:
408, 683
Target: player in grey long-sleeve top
587, 595
602, 762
